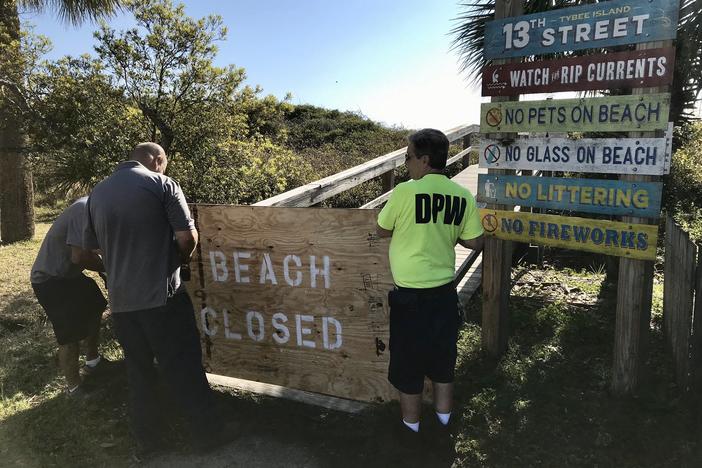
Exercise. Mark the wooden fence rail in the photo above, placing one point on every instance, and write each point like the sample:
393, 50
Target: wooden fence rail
319, 190
682, 305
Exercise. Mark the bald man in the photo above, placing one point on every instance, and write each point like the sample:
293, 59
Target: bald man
140, 220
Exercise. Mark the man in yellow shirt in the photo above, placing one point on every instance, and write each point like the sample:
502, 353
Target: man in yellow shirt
426, 217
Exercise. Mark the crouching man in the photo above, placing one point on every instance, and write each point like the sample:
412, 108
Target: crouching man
72, 301
426, 217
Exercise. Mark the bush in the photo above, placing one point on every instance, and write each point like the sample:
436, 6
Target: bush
683, 186
240, 172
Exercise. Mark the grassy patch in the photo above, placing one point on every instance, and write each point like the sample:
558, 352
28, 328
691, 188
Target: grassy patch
546, 402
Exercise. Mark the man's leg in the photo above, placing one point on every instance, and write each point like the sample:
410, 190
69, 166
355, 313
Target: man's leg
68, 361
143, 402
91, 344
411, 407
443, 397
176, 343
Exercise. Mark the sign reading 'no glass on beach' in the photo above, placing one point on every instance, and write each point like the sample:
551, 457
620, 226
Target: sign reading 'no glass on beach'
642, 156
603, 24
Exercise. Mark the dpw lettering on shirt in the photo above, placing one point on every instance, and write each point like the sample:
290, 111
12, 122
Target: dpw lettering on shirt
429, 207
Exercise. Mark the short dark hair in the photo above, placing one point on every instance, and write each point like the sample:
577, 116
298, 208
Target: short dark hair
433, 143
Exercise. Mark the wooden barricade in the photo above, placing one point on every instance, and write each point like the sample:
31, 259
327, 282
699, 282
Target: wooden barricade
294, 297
683, 276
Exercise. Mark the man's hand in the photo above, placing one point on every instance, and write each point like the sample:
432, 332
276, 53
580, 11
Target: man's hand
473, 244
382, 233
187, 241
86, 259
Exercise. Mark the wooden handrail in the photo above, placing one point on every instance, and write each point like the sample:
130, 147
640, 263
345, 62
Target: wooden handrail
317, 191
376, 202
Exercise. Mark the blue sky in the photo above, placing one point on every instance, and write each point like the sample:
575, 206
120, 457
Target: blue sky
388, 59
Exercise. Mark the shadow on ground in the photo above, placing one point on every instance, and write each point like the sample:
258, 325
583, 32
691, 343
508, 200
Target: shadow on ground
546, 402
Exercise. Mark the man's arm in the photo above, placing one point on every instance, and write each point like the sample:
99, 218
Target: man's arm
473, 244
382, 232
187, 241
86, 259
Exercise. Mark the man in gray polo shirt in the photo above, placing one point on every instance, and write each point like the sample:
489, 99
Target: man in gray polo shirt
140, 220
73, 302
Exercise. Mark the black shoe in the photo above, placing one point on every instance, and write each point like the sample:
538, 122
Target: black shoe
203, 444
102, 368
80, 393
145, 452
406, 438
440, 437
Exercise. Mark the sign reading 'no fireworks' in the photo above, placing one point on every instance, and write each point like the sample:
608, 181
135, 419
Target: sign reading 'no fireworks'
603, 24
594, 235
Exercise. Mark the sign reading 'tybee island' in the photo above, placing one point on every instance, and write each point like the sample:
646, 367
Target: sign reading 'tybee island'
602, 24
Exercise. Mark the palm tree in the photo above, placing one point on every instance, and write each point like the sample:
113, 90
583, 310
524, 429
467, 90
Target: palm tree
469, 33
16, 190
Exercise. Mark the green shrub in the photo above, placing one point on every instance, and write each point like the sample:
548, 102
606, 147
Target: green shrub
683, 186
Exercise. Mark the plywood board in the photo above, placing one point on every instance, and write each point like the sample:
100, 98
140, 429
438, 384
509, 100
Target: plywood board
603, 24
294, 297
605, 114
593, 235
630, 69
644, 156
600, 196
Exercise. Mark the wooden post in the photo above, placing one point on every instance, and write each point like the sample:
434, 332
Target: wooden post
696, 352
388, 181
497, 254
465, 161
634, 289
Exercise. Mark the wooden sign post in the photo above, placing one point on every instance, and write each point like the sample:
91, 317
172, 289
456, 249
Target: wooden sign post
294, 297
641, 157
497, 254
634, 287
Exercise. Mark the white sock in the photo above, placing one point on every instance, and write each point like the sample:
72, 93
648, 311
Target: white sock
93, 362
444, 417
413, 426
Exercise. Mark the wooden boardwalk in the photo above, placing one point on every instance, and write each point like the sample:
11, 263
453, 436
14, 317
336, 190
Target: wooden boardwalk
471, 281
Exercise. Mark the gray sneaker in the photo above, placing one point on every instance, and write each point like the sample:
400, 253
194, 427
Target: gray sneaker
79, 393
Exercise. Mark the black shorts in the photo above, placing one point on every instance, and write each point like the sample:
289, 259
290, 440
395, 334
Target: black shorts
74, 306
423, 334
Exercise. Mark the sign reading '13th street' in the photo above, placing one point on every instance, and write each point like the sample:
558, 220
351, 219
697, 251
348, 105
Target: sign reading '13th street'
600, 196
607, 114
594, 235
643, 156
603, 24
631, 69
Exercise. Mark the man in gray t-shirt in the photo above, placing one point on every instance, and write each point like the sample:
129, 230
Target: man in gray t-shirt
139, 219
73, 302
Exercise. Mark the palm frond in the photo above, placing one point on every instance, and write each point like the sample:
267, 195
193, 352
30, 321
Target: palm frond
74, 11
